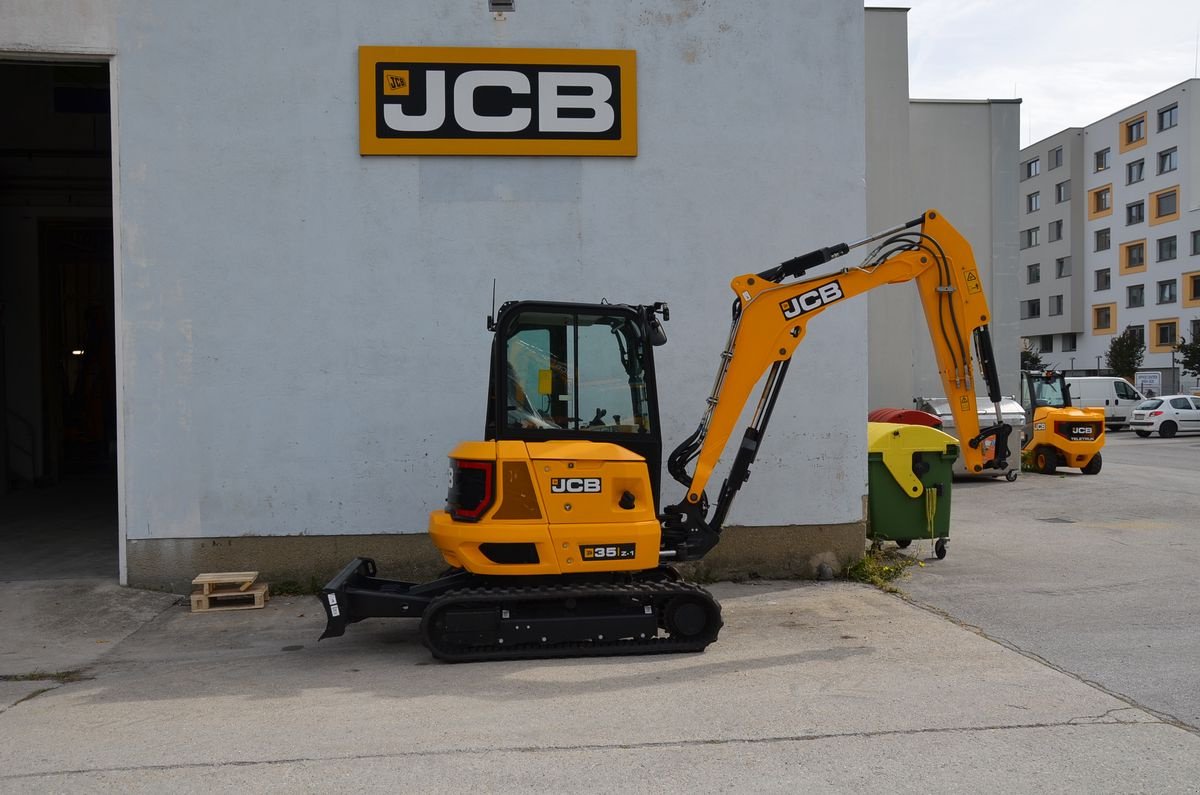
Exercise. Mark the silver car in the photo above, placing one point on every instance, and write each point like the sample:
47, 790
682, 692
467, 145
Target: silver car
1166, 416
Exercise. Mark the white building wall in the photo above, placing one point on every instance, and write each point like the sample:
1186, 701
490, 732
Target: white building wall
40, 27
964, 163
303, 327
1186, 138
954, 156
1047, 251
893, 314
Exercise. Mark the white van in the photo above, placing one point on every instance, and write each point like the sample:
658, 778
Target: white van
1115, 395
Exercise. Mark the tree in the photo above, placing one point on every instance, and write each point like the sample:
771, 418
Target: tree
1031, 360
1125, 354
1189, 354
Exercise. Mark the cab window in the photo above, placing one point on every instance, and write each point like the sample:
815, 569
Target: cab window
1046, 392
1125, 391
576, 372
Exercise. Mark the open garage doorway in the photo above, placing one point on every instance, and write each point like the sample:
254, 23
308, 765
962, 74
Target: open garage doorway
58, 454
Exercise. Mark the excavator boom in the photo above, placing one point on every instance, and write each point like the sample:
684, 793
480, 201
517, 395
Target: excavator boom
770, 319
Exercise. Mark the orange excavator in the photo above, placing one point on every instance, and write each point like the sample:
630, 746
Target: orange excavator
557, 539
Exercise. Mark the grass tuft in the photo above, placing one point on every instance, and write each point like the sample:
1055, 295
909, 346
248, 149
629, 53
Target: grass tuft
881, 567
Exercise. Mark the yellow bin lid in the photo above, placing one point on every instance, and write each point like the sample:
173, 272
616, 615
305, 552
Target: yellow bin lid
896, 442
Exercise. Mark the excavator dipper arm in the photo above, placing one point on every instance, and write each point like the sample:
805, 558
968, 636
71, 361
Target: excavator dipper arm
771, 319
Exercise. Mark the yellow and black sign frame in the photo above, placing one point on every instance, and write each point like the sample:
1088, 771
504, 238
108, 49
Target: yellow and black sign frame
384, 76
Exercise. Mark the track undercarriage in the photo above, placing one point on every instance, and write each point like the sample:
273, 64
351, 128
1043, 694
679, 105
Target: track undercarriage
466, 617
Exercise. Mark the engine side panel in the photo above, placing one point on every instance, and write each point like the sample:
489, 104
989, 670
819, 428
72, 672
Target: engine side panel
559, 508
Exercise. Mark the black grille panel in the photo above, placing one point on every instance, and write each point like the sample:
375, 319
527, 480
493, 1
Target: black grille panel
510, 553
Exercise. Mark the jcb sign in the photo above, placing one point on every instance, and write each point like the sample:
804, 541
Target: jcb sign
475, 101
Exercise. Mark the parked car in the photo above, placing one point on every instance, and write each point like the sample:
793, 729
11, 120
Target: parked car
1166, 416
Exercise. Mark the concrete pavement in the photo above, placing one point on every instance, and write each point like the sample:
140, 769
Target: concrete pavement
1095, 574
831, 685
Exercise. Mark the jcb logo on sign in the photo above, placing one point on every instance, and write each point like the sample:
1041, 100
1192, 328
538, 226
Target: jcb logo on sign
807, 302
575, 485
480, 101
395, 82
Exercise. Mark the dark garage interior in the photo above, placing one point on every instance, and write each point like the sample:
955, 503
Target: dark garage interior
58, 438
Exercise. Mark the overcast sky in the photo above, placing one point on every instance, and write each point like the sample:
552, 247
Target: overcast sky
1071, 62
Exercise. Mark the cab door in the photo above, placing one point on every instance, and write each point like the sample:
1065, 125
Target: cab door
1126, 397
1192, 423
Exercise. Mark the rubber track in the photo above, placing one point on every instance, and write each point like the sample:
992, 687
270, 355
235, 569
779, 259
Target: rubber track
657, 593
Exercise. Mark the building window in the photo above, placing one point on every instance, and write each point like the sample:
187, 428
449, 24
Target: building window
1168, 160
1030, 168
1166, 291
1029, 237
1135, 296
1103, 279
1062, 192
1055, 231
1055, 157
1033, 273
1062, 267
1137, 255
1163, 333
1168, 117
1046, 343
1138, 333
1166, 205
1135, 213
1031, 308
1068, 343
1196, 330
1133, 256
1033, 202
1135, 130
1103, 239
1191, 291
1102, 318
1196, 242
1135, 171
1099, 201
1056, 305
1103, 159
1166, 248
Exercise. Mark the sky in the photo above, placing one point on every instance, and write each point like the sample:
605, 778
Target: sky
1071, 62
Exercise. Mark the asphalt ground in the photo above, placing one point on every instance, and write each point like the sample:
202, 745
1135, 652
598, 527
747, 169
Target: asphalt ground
836, 686
1098, 575
1048, 656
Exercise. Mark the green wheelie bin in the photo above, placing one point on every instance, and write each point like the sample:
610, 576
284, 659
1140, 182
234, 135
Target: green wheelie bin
909, 474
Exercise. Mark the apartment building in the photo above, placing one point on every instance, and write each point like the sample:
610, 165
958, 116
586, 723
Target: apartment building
1109, 234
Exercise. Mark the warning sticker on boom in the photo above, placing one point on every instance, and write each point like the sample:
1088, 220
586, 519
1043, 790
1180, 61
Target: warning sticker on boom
973, 282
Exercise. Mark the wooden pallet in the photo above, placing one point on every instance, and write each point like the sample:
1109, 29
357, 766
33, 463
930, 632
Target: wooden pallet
209, 582
233, 590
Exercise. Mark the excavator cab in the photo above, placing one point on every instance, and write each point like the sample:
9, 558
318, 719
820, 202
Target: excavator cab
1056, 433
581, 372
